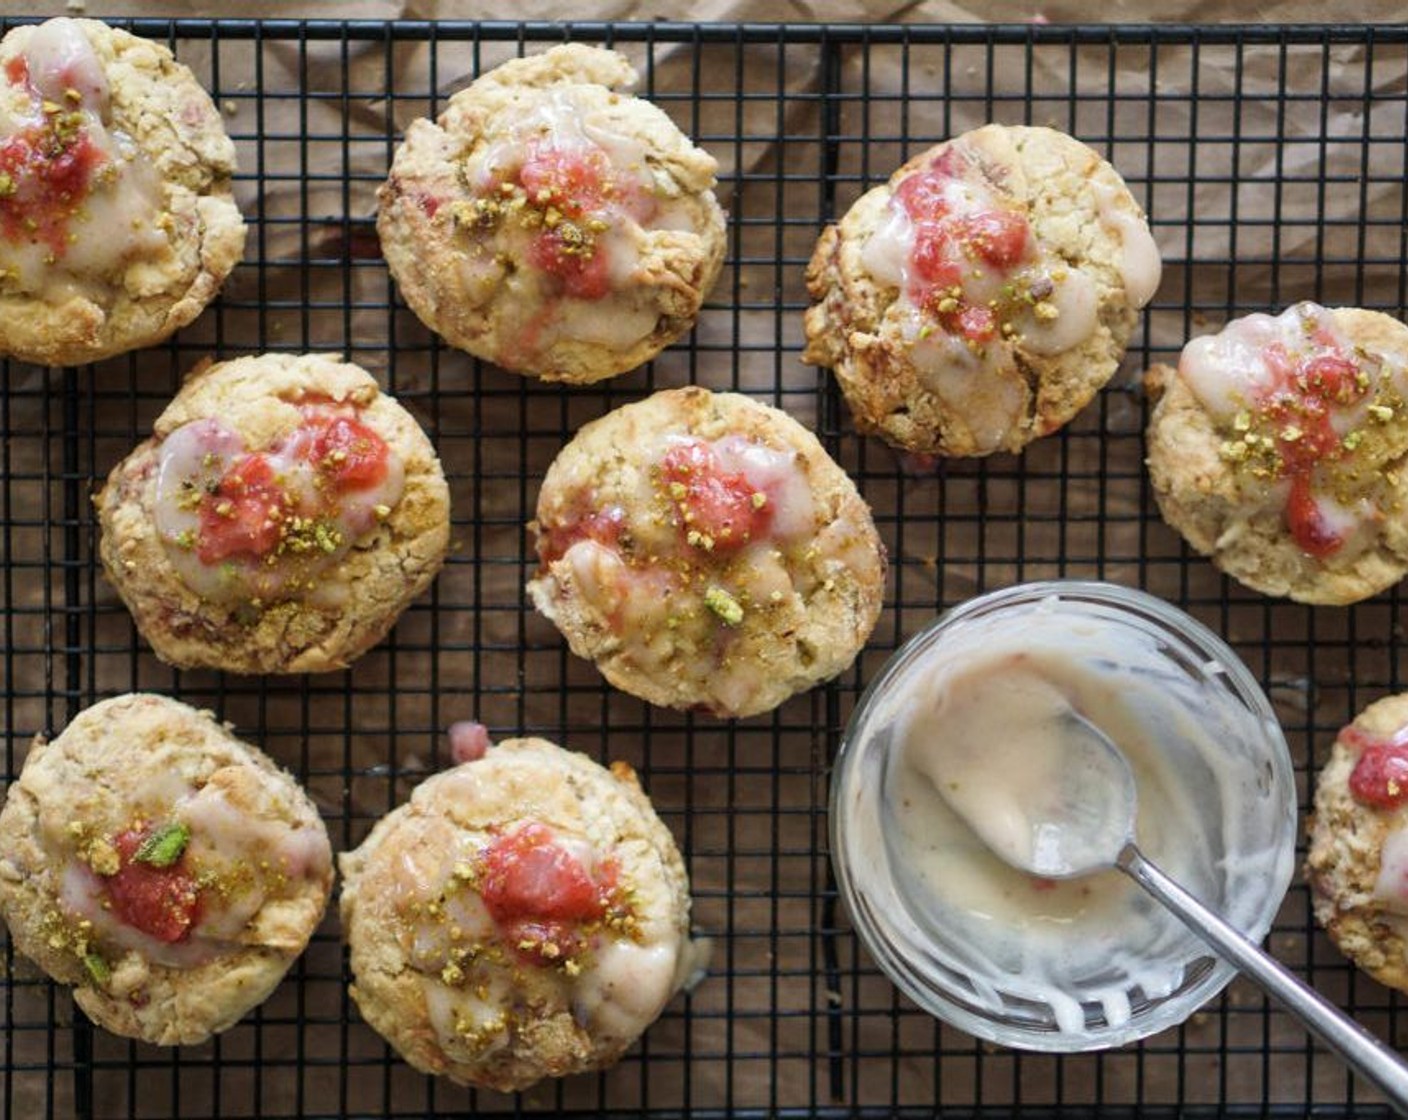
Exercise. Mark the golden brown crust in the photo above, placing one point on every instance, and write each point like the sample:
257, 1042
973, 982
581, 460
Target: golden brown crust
1346, 845
124, 758
257, 397
805, 606
473, 1012
472, 281
857, 324
1225, 515
159, 104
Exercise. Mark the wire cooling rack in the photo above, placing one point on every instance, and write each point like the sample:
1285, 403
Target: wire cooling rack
1272, 163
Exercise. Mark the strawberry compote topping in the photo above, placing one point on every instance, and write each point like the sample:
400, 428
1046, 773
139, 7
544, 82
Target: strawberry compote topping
717, 510
540, 894
574, 191
958, 231
967, 262
954, 233
1309, 416
710, 542
255, 525
47, 165
74, 193
1380, 776
161, 901
565, 200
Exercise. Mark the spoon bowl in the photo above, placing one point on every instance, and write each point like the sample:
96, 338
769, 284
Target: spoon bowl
1077, 823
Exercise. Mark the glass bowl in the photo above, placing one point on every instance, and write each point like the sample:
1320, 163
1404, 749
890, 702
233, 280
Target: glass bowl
1086, 963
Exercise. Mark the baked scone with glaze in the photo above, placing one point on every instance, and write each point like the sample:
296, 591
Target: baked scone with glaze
706, 553
117, 221
283, 514
1357, 866
168, 871
525, 915
1277, 449
981, 297
551, 223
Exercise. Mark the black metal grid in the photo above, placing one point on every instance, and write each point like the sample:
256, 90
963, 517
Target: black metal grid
1272, 162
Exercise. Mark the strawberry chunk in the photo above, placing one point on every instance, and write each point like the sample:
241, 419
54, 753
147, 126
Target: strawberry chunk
469, 741
574, 181
578, 261
933, 257
529, 875
347, 451
925, 193
718, 510
973, 322
162, 902
998, 236
1333, 379
243, 517
539, 893
1380, 777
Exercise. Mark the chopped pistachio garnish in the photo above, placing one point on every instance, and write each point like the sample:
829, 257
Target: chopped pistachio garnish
164, 845
729, 610
102, 857
97, 968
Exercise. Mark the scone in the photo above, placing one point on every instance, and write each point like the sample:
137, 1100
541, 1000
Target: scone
982, 296
117, 222
1357, 867
551, 224
524, 916
168, 871
1277, 449
279, 520
705, 552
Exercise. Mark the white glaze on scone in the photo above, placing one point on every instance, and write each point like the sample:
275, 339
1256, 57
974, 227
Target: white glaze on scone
279, 520
1277, 448
705, 552
982, 296
525, 915
168, 870
116, 221
551, 224
1357, 866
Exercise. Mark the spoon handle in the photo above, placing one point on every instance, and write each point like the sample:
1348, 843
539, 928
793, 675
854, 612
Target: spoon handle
1365, 1053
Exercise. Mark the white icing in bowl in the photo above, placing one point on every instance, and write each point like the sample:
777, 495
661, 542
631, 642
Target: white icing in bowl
1089, 962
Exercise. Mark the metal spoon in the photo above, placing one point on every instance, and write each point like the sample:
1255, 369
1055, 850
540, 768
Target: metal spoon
1087, 824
